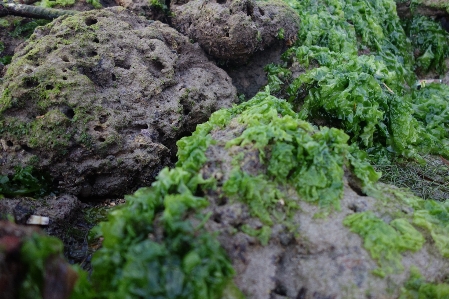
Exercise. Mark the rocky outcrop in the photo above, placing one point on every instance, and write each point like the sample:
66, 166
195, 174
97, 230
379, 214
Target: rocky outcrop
99, 99
234, 30
288, 203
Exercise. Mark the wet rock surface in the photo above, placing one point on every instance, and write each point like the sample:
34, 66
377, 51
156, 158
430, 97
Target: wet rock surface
234, 30
99, 99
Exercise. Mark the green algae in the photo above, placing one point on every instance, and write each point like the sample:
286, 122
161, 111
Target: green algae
385, 242
430, 40
358, 75
417, 288
35, 252
26, 181
137, 260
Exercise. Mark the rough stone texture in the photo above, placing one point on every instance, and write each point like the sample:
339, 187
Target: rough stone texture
99, 99
249, 78
58, 278
233, 30
144, 8
325, 259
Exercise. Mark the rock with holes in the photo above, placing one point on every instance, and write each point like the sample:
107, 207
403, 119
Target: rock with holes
289, 204
99, 100
232, 30
154, 10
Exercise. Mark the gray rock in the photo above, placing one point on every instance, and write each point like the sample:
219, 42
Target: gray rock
99, 100
233, 30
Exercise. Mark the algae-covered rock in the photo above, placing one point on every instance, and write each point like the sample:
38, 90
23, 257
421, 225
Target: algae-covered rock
99, 100
233, 30
288, 204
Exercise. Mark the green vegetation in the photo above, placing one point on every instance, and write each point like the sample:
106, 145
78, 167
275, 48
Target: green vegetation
151, 251
430, 41
359, 76
35, 252
24, 28
25, 182
385, 242
417, 288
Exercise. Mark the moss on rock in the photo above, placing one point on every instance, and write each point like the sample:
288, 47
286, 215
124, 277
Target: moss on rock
90, 90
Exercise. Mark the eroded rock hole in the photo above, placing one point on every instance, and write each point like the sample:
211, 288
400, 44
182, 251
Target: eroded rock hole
114, 77
91, 21
280, 289
221, 1
67, 111
139, 127
26, 147
49, 87
98, 128
261, 11
124, 64
101, 139
9, 143
65, 59
157, 65
216, 218
96, 40
103, 119
302, 293
92, 53
249, 10
30, 82
64, 78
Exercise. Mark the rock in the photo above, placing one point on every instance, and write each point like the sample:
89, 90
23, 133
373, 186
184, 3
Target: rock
152, 10
278, 196
99, 99
321, 257
60, 209
32, 263
233, 30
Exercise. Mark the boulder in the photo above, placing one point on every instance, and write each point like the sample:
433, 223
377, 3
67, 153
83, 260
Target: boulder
233, 30
297, 211
99, 99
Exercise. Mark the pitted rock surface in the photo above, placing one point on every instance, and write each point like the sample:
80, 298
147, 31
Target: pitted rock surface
99, 100
235, 29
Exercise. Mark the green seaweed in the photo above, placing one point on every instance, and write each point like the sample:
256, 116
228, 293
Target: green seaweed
385, 242
24, 28
417, 288
358, 73
138, 260
25, 182
430, 40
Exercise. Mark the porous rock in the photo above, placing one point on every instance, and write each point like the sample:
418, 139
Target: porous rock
149, 9
235, 29
322, 258
99, 99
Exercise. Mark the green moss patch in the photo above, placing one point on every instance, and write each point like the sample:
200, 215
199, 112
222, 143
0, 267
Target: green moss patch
417, 288
385, 242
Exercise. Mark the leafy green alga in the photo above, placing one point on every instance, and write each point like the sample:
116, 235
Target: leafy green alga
385, 242
417, 288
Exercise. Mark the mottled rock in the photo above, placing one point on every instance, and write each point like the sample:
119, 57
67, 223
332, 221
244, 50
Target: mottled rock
99, 99
233, 30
